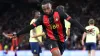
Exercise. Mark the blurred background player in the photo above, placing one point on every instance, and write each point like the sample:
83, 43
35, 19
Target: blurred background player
67, 24
14, 44
34, 42
91, 37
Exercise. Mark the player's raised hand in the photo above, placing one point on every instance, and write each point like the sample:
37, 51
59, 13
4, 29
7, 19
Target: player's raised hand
10, 36
7, 35
13, 35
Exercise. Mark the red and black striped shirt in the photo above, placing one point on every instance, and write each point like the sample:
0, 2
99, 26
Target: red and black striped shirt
53, 26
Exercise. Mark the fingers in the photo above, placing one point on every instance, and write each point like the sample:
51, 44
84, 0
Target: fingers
34, 36
11, 36
41, 44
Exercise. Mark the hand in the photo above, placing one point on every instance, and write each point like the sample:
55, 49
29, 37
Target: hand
66, 38
41, 43
11, 35
84, 48
34, 36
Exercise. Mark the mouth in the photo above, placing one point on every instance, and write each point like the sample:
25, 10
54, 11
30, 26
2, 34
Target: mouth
47, 13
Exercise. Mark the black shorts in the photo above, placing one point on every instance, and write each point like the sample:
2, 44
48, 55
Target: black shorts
50, 44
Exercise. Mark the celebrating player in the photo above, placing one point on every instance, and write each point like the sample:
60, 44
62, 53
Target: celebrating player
34, 42
53, 26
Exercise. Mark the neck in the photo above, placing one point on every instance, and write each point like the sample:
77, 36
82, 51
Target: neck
35, 17
51, 12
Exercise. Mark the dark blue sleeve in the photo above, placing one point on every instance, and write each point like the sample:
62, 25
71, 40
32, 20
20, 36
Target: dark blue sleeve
63, 15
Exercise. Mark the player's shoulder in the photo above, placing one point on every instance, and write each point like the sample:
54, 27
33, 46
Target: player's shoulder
33, 20
96, 27
87, 27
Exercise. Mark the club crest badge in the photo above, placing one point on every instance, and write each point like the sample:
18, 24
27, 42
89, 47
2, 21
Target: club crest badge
57, 19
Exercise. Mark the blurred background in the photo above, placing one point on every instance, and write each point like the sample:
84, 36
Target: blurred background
16, 14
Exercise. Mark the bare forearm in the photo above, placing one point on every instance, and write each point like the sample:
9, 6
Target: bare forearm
98, 36
38, 35
84, 35
41, 34
4, 34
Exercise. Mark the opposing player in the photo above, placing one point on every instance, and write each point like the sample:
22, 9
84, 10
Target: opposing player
91, 37
53, 26
34, 42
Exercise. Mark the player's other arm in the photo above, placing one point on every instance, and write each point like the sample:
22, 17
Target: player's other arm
68, 18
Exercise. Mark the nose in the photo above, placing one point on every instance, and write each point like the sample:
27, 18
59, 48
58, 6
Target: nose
46, 11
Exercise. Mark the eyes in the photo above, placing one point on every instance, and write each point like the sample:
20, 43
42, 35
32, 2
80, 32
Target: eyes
46, 8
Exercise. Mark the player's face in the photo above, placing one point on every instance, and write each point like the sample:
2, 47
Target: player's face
47, 8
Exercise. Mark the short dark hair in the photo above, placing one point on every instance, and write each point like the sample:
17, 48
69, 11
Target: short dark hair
46, 1
60, 6
34, 12
91, 21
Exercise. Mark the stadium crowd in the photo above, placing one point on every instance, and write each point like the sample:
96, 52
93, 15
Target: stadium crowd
19, 15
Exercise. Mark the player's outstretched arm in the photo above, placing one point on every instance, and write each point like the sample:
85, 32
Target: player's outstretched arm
77, 24
23, 31
29, 27
64, 15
